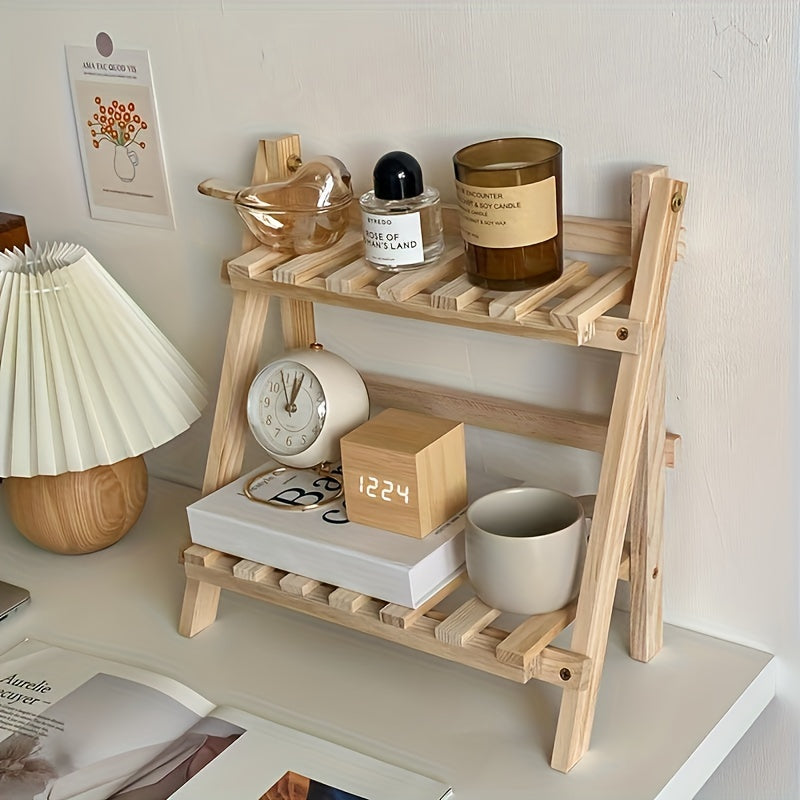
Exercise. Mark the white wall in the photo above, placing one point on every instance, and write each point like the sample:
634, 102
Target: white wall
706, 88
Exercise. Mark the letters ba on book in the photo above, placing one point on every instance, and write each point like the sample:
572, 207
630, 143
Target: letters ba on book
74, 726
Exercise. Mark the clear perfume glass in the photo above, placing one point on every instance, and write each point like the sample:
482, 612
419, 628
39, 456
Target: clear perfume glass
401, 217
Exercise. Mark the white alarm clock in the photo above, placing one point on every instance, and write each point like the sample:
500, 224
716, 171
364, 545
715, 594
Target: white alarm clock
299, 406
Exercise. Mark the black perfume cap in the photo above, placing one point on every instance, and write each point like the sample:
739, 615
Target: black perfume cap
397, 176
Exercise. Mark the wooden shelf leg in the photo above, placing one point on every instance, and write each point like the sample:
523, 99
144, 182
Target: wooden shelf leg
200, 600
228, 435
647, 505
647, 529
199, 610
618, 471
272, 163
641, 187
226, 451
297, 322
240, 362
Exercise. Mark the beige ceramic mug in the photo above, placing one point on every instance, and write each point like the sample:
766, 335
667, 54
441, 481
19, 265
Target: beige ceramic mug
525, 548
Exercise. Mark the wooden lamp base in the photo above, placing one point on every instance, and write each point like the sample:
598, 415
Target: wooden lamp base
78, 512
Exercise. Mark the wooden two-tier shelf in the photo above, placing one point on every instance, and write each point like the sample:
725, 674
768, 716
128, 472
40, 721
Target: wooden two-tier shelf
622, 310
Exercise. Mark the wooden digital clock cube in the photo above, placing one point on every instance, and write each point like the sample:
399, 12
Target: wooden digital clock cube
404, 472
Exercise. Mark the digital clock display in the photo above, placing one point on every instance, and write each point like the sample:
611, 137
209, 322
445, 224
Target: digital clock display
382, 489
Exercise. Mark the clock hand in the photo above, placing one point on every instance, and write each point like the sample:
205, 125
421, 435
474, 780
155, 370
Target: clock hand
295, 389
285, 391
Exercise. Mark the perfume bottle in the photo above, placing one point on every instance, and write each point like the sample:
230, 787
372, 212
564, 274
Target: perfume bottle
401, 217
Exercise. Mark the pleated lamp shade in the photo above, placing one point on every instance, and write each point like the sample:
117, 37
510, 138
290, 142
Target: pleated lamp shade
86, 378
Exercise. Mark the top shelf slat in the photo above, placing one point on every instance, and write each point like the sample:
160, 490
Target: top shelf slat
340, 276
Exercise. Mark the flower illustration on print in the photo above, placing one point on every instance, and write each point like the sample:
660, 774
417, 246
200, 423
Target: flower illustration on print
119, 124
20, 764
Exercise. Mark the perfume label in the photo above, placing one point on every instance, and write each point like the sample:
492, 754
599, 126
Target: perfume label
508, 216
393, 240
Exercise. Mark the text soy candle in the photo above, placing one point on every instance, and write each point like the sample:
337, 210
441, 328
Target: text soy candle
509, 201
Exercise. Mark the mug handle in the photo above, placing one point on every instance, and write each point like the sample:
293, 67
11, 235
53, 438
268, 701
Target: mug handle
587, 501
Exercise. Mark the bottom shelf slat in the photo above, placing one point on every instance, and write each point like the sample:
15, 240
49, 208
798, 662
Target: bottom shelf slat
462, 636
469, 619
529, 638
347, 600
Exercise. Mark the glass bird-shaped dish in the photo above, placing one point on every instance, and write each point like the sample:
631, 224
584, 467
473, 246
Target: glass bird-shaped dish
304, 214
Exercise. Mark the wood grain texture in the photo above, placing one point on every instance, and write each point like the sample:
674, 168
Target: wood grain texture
304, 267
515, 305
239, 366
405, 471
251, 570
560, 426
647, 530
610, 237
602, 236
256, 262
579, 312
456, 294
618, 471
641, 186
203, 556
298, 584
467, 620
199, 607
646, 522
79, 512
351, 277
404, 285
533, 325
530, 637
416, 630
347, 600
298, 325
398, 616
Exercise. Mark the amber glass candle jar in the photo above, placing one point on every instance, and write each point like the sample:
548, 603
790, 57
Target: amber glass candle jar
509, 200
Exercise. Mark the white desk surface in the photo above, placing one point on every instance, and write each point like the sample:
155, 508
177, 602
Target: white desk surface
661, 728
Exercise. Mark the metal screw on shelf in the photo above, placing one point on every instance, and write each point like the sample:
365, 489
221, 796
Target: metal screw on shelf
677, 201
293, 162
565, 674
622, 334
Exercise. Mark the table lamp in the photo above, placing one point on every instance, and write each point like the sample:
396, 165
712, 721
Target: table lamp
87, 385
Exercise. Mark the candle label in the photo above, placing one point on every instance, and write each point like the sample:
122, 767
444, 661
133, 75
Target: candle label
393, 240
508, 216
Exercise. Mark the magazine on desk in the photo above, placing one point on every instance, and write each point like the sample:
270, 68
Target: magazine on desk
77, 727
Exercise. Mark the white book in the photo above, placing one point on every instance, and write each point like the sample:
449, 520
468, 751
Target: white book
324, 545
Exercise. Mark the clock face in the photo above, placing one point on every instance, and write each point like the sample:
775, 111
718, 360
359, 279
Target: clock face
383, 490
301, 405
286, 408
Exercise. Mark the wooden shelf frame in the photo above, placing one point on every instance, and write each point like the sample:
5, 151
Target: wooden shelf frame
627, 529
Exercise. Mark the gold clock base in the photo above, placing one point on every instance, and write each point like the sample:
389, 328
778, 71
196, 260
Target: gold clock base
269, 476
